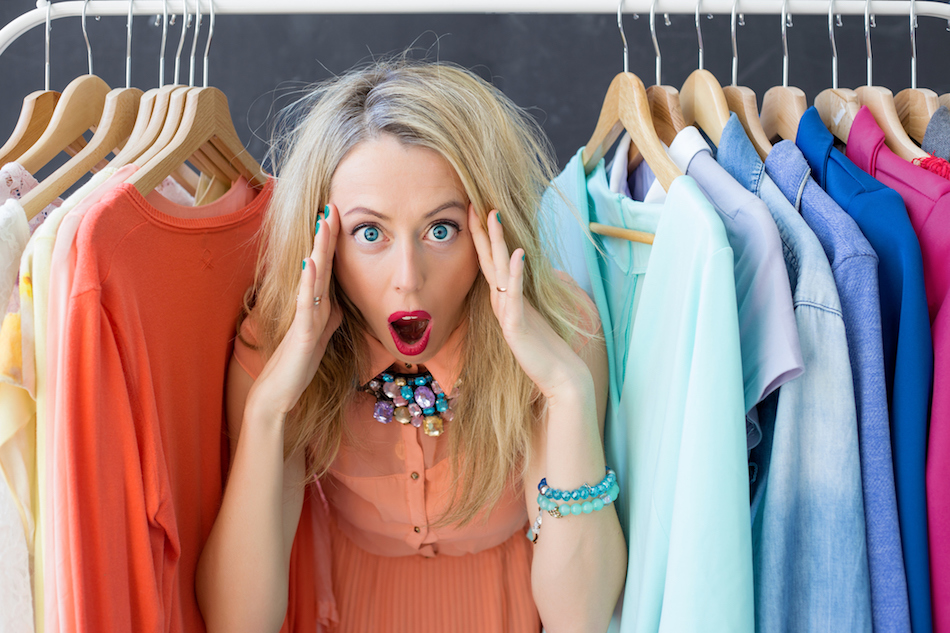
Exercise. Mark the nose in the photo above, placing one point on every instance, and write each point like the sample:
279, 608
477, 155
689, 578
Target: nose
409, 269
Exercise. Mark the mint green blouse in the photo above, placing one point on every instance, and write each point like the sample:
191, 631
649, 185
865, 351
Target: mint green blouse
675, 429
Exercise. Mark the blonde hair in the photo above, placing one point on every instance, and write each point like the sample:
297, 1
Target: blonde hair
504, 162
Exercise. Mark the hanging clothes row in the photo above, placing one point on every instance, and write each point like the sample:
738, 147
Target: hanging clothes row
774, 335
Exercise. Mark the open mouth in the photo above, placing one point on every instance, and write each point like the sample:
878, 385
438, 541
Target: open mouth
410, 331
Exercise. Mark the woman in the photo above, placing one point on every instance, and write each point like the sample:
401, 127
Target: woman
404, 187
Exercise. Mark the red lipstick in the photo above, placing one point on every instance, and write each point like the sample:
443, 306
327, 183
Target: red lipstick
410, 331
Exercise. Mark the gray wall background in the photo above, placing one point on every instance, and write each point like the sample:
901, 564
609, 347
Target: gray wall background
556, 66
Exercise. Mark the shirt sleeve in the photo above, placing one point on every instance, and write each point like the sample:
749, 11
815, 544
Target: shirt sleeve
114, 526
246, 348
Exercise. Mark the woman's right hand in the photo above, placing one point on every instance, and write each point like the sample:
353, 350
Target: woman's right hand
294, 363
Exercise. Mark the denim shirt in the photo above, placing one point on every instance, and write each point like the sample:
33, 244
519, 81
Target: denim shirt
808, 532
854, 264
908, 352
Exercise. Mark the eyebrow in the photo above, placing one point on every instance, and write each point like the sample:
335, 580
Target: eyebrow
454, 204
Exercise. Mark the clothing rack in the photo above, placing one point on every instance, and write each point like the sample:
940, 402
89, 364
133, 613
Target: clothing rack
73, 8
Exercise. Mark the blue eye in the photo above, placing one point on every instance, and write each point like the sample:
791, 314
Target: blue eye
443, 232
367, 234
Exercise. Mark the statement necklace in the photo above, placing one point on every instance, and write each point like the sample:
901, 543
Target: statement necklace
415, 399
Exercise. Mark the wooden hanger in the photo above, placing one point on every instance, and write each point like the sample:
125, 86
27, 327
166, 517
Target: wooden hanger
664, 103
742, 102
837, 108
782, 109
78, 110
206, 121
880, 101
915, 107
944, 100
783, 106
626, 107
704, 104
35, 115
118, 119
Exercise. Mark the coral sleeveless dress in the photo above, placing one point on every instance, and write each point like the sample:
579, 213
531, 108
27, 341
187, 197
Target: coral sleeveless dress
366, 557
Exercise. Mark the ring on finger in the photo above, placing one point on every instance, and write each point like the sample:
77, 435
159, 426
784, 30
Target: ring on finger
316, 301
500, 289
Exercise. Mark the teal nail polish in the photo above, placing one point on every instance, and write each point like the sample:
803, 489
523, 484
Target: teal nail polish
498, 217
522, 257
326, 211
303, 264
317, 227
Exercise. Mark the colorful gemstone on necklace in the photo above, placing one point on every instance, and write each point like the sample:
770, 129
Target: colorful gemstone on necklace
424, 397
401, 415
390, 389
383, 411
432, 426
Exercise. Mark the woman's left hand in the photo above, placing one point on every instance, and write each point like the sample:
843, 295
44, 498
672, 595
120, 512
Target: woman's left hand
543, 355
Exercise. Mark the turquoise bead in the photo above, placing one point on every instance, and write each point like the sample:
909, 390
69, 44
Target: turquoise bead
387, 378
587, 507
428, 411
541, 500
420, 381
564, 509
406, 392
597, 504
576, 495
441, 405
576, 509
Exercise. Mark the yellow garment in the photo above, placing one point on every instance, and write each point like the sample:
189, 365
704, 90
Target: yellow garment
23, 395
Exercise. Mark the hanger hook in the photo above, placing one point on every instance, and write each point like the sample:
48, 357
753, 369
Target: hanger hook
785, 43
626, 54
185, 18
208, 43
834, 47
656, 44
49, 7
128, 48
735, 46
867, 35
86, 35
913, 44
194, 43
161, 57
699, 34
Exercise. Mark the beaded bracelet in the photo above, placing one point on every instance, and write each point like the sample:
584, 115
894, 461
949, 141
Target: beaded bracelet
584, 492
592, 503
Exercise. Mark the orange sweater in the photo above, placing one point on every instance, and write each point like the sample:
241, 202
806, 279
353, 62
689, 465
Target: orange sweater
138, 439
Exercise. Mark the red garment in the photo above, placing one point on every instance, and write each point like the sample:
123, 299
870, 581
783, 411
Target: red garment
139, 435
934, 164
927, 197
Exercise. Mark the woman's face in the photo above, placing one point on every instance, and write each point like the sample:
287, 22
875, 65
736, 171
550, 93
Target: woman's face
404, 253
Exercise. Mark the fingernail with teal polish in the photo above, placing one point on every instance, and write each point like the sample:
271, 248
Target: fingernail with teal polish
498, 217
326, 211
303, 264
316, 228
522, 257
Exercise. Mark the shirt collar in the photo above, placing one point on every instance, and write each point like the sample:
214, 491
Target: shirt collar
865, 140
444, 366
686, 145
789, 169
738, 156
815, 142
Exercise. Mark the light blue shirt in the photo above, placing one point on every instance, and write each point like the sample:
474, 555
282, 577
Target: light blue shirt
809, 544
768, 336
675, 432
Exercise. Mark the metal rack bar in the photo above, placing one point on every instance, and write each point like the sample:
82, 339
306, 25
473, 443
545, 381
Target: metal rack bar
73, 8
